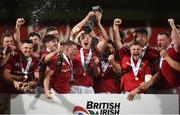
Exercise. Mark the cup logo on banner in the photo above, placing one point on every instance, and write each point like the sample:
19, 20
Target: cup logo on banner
98, 108
78, 110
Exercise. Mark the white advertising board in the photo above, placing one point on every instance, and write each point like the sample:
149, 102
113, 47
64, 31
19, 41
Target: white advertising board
94, 104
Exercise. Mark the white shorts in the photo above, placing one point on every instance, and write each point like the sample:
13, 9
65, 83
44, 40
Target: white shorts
81, 90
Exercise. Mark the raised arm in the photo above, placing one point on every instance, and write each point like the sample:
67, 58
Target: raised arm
117, 38
49, 56
78, 27
103, 33
96, 69
17, 34
174, 64
146, 85
76, 39
175, 35
115, 65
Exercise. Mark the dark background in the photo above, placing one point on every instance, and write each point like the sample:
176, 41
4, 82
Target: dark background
50, 12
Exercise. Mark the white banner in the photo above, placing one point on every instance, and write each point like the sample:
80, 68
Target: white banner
94, 104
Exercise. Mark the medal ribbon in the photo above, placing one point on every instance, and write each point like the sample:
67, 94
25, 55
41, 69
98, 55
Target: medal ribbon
85, 64
26, 70
161, 59
104, 65
69, 63
144, 50
135, 68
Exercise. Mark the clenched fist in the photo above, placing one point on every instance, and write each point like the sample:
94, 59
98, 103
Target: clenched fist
171, 22
117, 21
20, 21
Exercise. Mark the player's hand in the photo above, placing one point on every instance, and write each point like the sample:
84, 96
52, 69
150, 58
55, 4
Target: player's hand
20, 21
171, 22
117, 21
96, 60
98, 16
116, 24
48, 96
163, 53
132, 94
145, 85
17, 85
59, 48
90, 14
111, 58
25, 86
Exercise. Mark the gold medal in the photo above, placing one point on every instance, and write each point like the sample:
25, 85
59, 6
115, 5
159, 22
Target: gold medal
136, 78
25, 76
84, 74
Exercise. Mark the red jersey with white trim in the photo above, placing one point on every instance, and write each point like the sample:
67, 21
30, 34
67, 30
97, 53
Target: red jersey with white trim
14, 64
170, 77
128, 80
60, 80
151, 55
43, 53
82, 77
2, 82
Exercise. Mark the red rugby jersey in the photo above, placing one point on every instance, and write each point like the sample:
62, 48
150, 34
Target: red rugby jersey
170, 77
128, 81
13, 64
81, 77
108, 81
60, 80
